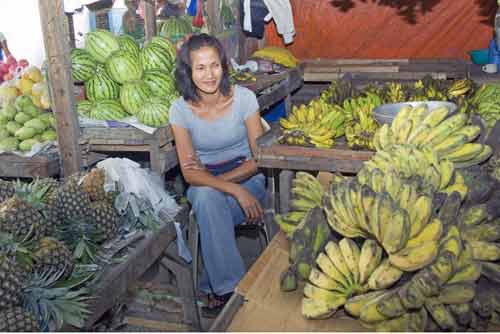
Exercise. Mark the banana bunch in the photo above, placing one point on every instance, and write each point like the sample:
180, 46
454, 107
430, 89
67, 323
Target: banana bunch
305, 243
408, 162
241, 76
402, 224
460, 87
426, 298
487, 102
394, 93
338, 91
278, 55
307, 193
451, 137
360, 124
316, 125
345, 270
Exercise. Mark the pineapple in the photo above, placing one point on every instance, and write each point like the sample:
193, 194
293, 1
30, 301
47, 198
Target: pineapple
12, 278
6, 190
52, 254
72, 201
49, 200
20, 218
105, 218
15, 319
93, 184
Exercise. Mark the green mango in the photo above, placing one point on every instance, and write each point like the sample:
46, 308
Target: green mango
9, 144
22, 117
9, 112
25, 133
12, 127
27, 144
49, 135
4, 133
22, 102
36, 124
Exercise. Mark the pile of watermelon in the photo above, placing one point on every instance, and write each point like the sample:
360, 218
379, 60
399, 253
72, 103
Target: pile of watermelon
121, 79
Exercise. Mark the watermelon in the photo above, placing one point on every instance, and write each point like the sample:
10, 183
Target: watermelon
160, 82
83, 66
101, 87
165, 44
129, 44
155, 57
133, 95
100, 44
83, 107
107, 110
174, 28
122, 66
154, 112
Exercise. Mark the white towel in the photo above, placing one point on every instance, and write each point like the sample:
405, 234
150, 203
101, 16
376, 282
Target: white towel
281, 11
247, 16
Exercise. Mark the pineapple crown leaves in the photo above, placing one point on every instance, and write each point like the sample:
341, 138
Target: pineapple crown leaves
21, 250
54, 302
33, 193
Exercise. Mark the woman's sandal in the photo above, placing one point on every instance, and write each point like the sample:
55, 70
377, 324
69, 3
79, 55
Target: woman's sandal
213, 311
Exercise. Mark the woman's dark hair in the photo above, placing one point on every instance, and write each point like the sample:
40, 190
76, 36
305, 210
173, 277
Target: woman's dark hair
184, 69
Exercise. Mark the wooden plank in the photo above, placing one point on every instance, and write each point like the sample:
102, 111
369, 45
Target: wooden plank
128, 135
161, 326
61, 84
117, 147
213, 15
271, 310
149, 19
350, 68
354, 61
42, 165
121, 277
223, 320
286, 177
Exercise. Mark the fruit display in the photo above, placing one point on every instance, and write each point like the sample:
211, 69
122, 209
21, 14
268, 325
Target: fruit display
357, 105
120, 77
175, 28
315, 125
10, 68
414, 241
22, 125
487, 102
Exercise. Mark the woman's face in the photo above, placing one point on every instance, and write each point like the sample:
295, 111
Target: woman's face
207, 69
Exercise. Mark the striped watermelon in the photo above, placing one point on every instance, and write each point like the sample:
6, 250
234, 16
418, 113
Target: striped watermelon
133, 95
129, 44
122, 66
84, 107
166, 45
154, 112
101, 87
83, 66
100, 44
108, 110
174, 28
155, 57
160, 82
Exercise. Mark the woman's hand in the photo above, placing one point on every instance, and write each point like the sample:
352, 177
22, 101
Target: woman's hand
193, 163
249, 204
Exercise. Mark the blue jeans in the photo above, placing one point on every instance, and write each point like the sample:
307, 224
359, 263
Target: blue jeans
217, 214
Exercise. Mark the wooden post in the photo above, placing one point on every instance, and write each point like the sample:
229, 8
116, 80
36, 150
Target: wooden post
61, 84
214, 18
149, 19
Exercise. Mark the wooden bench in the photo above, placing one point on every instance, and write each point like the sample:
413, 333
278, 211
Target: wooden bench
162, 154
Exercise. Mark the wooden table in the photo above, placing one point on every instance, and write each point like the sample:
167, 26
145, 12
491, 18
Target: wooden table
288, 158
272, 88
258, 304
118, 278
159, 146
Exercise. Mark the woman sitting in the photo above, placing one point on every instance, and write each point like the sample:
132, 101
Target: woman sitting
215, 126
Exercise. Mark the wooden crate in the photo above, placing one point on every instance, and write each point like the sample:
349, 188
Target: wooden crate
162, 154
41, 165
338, 159
326, 70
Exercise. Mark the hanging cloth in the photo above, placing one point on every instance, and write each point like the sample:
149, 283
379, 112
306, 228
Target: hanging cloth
253, 12
191, 7
281, 12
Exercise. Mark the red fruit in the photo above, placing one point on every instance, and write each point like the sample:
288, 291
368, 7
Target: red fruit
23, 63
11, 60
4, 68
8, 76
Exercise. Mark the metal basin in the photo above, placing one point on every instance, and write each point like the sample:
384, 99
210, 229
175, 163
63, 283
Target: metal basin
385, 113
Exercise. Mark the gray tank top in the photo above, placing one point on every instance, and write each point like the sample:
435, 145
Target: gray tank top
224, 138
